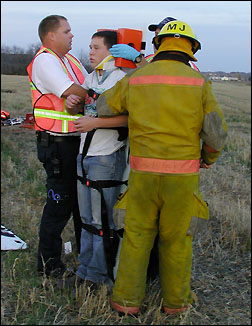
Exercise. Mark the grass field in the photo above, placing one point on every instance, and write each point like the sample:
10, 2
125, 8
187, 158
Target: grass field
221, 259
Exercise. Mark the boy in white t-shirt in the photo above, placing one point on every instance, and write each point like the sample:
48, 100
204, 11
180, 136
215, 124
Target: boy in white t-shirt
105, 159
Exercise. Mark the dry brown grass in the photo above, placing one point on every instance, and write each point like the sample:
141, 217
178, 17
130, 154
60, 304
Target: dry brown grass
221, 264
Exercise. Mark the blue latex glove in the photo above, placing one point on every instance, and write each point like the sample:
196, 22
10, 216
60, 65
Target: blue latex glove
124, 51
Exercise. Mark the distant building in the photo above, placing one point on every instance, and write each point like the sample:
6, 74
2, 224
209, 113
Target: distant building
227, 78
215, 77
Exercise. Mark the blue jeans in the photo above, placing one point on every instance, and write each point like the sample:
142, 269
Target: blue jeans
92, 261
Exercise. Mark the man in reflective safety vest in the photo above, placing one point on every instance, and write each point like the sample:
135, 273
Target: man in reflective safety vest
170, 107
54, 74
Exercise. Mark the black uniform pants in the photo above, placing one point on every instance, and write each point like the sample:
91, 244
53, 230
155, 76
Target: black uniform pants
58, 155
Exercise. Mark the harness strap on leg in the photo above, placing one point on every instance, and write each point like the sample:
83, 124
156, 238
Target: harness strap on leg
110, 244
92, 229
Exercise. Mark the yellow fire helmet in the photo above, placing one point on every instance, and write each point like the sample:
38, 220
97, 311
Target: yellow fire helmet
177, 29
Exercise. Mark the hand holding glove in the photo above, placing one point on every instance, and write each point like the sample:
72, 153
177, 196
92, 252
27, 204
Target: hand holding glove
124, 51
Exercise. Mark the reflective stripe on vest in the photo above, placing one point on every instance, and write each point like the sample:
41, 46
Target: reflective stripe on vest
75, 65
55, 115
149, 57
71, 58
163, 166
33, 88
164, 79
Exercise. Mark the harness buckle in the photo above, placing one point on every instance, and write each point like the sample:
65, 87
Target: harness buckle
100, 233
87, 183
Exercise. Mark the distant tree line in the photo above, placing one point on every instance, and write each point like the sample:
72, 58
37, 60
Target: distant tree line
14, 59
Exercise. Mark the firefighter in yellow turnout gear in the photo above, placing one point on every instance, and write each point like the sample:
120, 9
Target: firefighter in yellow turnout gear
170, 108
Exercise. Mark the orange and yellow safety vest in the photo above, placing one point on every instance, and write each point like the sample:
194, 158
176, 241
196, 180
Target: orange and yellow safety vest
49, 112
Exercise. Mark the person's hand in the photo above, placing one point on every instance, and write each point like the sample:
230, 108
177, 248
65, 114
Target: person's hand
85, 123
72, 100
124, 51
204, 165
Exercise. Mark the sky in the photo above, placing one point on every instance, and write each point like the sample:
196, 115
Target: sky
222, 27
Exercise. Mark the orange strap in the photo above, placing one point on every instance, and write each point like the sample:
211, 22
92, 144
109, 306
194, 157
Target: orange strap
174, 311
126, 310
164, 79
164, 166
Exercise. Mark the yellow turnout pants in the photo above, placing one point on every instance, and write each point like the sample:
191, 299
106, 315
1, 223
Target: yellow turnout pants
164, 204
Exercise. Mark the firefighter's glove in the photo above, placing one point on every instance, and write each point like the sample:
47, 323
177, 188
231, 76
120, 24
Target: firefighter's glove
124, 51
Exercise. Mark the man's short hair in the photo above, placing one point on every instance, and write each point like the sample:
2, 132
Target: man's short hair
49, 24
109, 37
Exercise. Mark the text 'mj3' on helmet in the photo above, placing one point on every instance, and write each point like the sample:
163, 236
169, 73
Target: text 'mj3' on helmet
177, 29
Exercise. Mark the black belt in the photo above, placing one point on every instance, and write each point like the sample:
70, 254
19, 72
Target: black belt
56, 139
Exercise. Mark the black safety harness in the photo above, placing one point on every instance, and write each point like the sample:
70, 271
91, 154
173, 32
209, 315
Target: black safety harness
110, 236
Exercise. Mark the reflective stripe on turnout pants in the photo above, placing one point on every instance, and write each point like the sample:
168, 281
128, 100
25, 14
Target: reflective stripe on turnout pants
172, 196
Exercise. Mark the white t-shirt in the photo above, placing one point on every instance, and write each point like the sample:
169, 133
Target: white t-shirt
104, 141
49, 77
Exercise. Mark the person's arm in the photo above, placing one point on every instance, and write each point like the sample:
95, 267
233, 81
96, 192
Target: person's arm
76, 90
114, 101
49, 77
86, 123
127, 52
75, 98
214, 129
74, 104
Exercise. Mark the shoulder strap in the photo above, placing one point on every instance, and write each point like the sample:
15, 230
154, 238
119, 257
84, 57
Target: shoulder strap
88, 139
